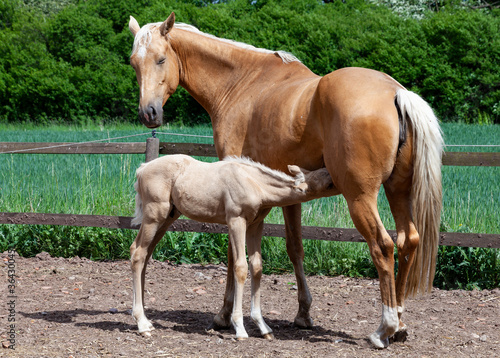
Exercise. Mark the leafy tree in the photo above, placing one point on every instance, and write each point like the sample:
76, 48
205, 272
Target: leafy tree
68, 59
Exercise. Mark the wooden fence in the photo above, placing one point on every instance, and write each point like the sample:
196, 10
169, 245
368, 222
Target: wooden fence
152, 148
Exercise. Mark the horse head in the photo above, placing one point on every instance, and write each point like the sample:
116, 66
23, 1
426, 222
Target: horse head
156, 67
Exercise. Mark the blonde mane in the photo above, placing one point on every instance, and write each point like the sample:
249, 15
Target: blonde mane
144, 36
266, 170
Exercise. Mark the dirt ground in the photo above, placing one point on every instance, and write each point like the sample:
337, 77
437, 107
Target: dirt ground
79, 308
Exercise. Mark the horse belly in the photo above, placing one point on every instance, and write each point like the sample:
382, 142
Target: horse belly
281, 130
199, 200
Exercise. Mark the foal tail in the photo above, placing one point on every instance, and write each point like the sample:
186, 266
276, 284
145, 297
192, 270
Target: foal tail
137, 220
426, 191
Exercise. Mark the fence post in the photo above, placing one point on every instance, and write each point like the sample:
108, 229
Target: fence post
152, 147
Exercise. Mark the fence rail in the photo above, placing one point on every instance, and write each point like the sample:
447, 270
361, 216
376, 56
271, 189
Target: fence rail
151, 149
275, 230
202, 150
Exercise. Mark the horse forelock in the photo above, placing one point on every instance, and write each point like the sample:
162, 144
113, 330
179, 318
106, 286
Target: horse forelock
144, 37
265, 169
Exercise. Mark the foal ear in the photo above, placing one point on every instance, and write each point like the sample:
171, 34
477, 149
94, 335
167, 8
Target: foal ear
133, 25
294, 170
167, 24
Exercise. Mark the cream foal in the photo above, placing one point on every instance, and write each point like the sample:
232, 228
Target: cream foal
237, 192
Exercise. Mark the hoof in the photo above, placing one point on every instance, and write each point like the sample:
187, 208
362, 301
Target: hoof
220, 323
146, 334
217, 327
268, 336
302, 322
241, 338
399, 336
377, 342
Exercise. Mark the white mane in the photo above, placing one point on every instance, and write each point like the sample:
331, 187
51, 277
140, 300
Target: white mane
266, 170
143, 39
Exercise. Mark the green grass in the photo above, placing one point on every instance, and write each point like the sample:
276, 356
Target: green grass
103, 185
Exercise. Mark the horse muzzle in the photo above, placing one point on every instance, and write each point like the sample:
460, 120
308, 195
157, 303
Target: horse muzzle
151, 116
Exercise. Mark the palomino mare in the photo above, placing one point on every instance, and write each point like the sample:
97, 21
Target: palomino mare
360, 124
240, 193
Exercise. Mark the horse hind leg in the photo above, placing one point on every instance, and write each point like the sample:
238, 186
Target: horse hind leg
364, 213
398, 191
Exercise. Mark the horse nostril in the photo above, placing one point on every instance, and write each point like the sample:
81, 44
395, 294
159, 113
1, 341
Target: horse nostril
153, 111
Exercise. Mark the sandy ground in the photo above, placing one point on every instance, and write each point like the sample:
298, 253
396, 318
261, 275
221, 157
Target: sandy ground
79, 308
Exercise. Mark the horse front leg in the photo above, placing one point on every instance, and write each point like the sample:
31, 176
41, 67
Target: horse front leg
254, 238
295, 250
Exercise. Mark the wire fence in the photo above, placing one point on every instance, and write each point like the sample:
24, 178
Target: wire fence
152, 148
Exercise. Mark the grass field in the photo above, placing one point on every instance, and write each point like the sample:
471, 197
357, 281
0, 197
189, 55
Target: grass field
103, 185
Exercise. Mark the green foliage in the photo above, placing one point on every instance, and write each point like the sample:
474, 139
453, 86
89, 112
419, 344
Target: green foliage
48, 7
7, 12
467, 268
67, 241
68, 59
192, 248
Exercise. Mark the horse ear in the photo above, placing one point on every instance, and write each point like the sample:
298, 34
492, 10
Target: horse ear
167, 25
133, 25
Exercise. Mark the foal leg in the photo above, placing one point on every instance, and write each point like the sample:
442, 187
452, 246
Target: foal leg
141, 250
295, 250
254, 238
237, 229
364, 213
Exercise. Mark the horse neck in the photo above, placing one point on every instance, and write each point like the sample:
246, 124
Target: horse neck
211, 70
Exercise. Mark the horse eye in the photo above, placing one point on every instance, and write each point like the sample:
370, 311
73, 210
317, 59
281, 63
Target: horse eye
161, 62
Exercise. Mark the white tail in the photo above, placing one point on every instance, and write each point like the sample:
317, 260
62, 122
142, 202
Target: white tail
137, 220
426, 192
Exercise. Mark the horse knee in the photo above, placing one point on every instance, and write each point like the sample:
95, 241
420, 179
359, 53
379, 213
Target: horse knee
137, 257
256, 267
382, 251
409, 243
240, 271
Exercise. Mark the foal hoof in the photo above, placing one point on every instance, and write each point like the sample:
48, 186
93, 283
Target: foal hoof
268, 336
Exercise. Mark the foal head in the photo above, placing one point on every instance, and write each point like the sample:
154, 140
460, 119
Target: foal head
156, 67
315, 184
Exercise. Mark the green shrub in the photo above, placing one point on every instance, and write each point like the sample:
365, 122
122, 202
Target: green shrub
467, 268
68, 58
